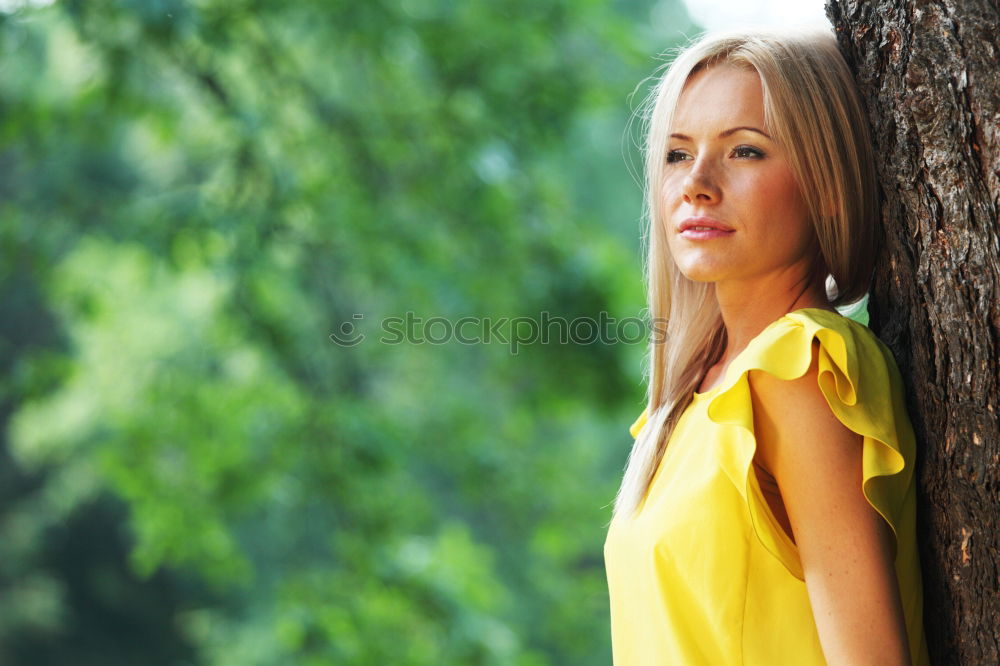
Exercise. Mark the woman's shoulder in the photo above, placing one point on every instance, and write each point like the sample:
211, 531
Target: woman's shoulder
837, 357
785, 348
817, 319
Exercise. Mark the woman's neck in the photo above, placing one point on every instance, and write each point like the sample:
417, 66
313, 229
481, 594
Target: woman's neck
747, 309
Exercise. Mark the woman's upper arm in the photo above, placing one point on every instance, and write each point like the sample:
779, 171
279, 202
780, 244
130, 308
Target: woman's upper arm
845, 546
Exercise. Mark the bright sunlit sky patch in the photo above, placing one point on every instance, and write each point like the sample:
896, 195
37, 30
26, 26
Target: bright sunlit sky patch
8, 6
724, 14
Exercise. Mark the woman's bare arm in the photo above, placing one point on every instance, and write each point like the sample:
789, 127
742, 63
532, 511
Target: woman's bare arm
846, 548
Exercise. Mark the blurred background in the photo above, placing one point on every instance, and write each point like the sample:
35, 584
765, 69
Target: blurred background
194, 195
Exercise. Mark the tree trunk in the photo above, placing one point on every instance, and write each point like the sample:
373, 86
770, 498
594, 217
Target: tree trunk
929, 74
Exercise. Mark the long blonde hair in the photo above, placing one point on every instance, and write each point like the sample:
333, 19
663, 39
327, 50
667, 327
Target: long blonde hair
811, 106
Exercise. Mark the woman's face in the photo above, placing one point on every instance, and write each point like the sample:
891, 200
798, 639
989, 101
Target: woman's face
732, 207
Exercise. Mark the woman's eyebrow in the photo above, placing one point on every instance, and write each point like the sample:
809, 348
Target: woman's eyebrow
723, 135
744, 127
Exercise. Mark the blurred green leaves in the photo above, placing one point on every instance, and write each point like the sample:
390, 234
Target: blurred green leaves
194, 196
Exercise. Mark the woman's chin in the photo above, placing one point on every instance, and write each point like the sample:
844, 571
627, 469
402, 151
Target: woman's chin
701, 273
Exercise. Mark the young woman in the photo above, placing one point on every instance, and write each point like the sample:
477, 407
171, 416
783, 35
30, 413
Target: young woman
767, 512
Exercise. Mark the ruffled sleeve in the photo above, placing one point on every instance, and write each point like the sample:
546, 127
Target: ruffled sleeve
861, 383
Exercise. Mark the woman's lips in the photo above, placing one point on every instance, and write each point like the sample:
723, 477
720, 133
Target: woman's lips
703, 228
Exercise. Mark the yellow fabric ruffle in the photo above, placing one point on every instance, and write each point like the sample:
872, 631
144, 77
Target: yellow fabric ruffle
636, 427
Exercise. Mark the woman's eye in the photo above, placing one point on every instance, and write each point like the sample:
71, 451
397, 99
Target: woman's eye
676, 156
747, 152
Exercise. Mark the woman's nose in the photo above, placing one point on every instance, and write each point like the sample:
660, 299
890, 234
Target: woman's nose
701, 184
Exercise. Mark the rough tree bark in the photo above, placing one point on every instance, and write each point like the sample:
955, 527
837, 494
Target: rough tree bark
929, 73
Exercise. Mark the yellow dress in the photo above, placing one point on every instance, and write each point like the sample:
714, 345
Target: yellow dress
703, 573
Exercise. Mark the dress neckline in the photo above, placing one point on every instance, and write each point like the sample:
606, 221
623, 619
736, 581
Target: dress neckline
710, 391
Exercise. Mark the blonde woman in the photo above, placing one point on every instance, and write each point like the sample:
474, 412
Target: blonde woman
767, 512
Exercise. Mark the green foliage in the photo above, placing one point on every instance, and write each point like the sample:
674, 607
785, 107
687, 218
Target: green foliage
195, 196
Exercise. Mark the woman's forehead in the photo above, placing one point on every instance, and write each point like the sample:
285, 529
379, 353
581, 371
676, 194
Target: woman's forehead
720, 97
